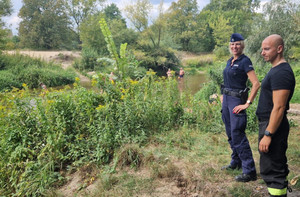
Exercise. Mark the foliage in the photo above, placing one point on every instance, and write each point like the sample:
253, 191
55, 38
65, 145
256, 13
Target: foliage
159, 60
18, 69
44, 25
5, 10
91, 36
221, 30
281, 18
222, 52
239, 14
5, 7
296, 96
79, 10
64, 127
88, 61
201, 61
182, 22
138, 14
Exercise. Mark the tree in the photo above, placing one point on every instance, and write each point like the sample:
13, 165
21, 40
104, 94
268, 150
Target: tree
280, 18
182, 22
5, 7
90, 32
5, 10
112, 12
138, 14
152, 31
80, 10
225, 17
45, 25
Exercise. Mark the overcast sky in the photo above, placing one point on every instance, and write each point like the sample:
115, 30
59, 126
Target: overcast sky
13, 21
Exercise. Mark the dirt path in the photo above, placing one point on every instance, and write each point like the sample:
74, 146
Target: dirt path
65, 58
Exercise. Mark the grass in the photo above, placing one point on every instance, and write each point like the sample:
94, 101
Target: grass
185, 162
199, 62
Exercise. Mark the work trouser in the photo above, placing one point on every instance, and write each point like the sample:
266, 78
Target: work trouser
273, 164
235, 125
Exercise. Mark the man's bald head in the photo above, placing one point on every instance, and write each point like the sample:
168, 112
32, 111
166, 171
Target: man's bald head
272, 49
276, 40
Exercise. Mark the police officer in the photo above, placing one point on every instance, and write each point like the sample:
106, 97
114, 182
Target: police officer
276, 91
235, 102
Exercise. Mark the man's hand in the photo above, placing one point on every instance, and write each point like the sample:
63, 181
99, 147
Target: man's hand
264, 144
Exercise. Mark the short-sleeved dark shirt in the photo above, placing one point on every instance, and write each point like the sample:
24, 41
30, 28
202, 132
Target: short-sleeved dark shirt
235, 75
280, 77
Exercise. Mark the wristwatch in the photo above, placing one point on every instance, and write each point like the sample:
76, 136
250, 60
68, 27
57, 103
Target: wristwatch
267, 133
249, 102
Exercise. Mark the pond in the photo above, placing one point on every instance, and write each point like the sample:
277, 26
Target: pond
192, 83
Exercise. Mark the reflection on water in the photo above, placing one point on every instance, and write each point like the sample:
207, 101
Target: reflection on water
191, 83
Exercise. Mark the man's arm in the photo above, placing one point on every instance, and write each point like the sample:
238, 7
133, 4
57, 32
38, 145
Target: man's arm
280, 98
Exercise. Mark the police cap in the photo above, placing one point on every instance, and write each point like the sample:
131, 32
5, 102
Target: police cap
236, 37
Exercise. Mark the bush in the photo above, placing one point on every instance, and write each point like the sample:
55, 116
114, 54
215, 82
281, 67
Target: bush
88, 60
8, 80
19, 69
221, 52
158, 60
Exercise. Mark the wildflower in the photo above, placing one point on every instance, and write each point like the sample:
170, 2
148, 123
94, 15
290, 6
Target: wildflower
150, 72
77, 79
100, 107
94, 82
112, 82
133, 82
24, 85
50, 101
122, 97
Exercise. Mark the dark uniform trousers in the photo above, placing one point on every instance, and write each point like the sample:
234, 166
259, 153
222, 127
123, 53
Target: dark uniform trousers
235, 125
273, 164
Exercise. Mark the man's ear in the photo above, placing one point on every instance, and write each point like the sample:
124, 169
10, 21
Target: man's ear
280, 49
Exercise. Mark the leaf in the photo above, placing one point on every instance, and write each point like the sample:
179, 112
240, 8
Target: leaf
295, 180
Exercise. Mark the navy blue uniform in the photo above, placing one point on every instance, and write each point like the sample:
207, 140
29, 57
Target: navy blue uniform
273, 164
235, 78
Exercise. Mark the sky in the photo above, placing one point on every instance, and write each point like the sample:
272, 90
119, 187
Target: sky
12, 22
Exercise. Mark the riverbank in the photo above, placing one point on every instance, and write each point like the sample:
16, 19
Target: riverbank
172, 161
182, 163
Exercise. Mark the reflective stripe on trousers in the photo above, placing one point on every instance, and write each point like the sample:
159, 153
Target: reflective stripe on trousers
277, 192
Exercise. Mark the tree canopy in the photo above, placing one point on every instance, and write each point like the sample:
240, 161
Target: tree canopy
44, 25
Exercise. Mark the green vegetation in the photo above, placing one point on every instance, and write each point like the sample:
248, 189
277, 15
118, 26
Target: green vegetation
17, 69
136, 121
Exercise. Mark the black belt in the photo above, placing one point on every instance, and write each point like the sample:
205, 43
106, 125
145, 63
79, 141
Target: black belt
235, 92
232, 93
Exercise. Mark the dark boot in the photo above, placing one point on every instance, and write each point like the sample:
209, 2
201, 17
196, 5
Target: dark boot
230, 167
246, 177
